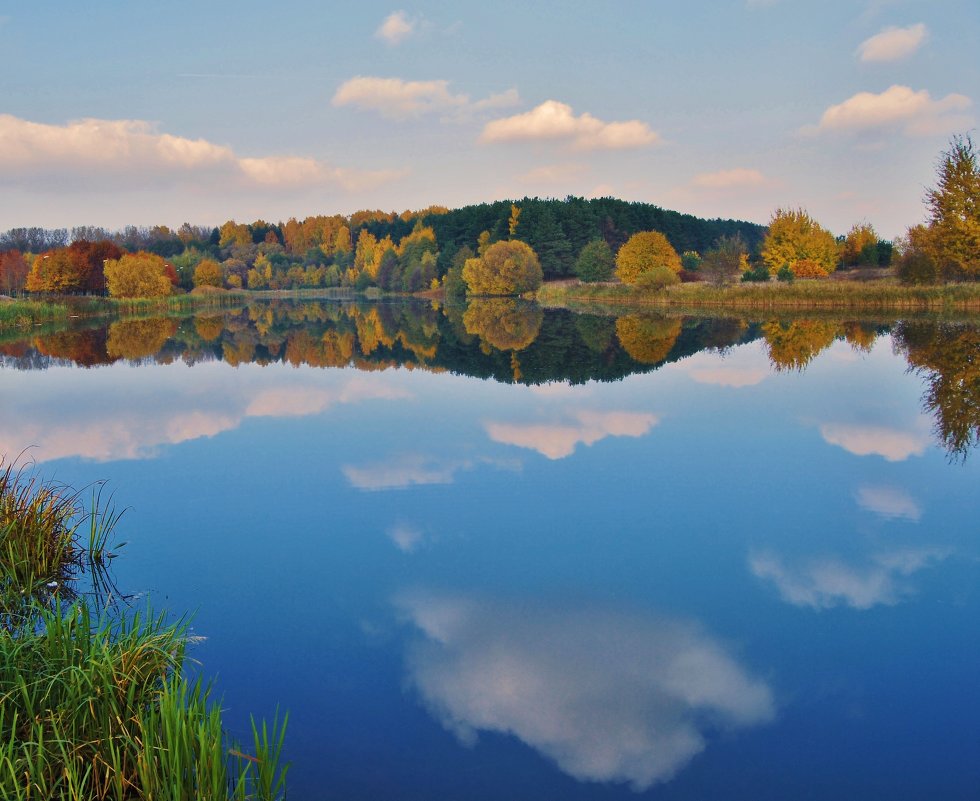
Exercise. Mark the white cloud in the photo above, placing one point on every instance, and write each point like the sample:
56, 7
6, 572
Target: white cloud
395, 28
556, 441
888, 502
738, 178
901, 108
893, 44
609, 697
829, 582
404, 471
554, 121
893, 444
133, 152
398, 99
406, 538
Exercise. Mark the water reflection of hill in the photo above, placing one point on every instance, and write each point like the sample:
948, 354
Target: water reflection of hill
513, 342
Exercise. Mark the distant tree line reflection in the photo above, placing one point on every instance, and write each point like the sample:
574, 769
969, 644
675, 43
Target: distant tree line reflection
510, 340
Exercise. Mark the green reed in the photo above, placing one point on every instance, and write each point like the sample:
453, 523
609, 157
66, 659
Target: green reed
94, 704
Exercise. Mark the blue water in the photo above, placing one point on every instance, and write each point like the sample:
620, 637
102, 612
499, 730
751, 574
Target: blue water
709, 578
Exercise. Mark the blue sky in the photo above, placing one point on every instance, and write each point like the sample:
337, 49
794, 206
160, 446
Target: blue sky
115, 113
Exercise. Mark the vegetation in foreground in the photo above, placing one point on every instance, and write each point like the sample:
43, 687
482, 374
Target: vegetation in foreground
93, 702
808, 294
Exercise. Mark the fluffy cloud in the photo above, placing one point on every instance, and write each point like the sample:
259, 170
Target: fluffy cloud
893, 44
888, 502
554, 121
133, 152
738, 178
914, 113
404, 471
398, 99
556, 441
607, 696
893, 444
395, 28
829, 582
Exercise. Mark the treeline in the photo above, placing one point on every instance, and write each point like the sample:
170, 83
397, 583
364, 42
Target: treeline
395, 252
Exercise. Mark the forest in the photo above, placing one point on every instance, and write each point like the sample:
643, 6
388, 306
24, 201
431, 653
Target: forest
395, 252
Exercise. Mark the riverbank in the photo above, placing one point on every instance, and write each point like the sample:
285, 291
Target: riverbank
95, 703
21, 314
879, 295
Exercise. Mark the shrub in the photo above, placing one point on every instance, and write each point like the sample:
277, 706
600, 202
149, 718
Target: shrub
656, 278
510, 267
595, 262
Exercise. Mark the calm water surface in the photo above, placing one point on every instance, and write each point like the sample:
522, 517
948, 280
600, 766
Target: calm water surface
518, 554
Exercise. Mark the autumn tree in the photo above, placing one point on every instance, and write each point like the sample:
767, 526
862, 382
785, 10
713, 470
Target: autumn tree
54, 271
595, 262
954, 210
137, 275
797, 241
208, 273
860, 246
643, 252
13, 272
510, 267
917, 260
726, 261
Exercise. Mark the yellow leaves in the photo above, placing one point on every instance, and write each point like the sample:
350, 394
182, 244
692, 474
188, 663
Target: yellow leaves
505, 268
792, 346
644, 252
137, 275
794, 236
208, 273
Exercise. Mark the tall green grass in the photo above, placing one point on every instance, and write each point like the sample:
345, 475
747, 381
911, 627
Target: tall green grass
27, 313
94, 704
799, 295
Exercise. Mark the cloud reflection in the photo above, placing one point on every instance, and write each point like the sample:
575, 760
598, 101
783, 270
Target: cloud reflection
895, 445
889, 503
556, 441
607, 696
828, 582
120, 413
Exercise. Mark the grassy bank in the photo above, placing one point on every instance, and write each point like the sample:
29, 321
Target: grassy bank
21, 314
28, 313
798, 296
94, 704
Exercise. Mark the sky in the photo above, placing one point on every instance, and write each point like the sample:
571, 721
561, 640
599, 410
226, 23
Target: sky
116, 113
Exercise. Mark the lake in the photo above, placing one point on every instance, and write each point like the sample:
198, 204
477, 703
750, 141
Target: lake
507, 552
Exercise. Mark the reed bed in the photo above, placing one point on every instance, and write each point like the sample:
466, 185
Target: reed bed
94, 703
797, 296
28, 313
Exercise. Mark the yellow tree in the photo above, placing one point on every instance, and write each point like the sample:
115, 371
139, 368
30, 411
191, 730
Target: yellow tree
795, 240
514, 221
137, 275
954, 210
644, 252
860, 246
208, 273
510, 267
54, 271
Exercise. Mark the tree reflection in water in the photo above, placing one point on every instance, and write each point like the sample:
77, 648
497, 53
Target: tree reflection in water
514, 341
